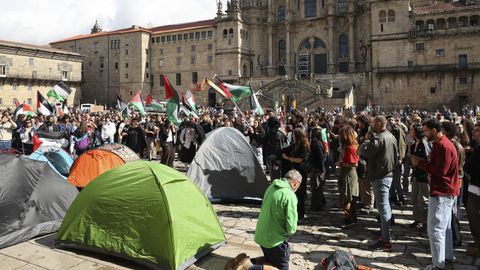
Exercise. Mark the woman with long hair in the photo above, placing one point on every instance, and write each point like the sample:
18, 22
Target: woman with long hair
348, 179
295, 158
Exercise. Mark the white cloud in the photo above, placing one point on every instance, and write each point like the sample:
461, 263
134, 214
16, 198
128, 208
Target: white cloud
44, 21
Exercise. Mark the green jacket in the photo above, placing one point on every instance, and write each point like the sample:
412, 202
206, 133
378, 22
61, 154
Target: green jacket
278, 215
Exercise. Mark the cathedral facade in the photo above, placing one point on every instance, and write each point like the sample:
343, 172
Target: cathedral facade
304, 53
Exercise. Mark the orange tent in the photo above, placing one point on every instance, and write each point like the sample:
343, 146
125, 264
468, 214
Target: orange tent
92, 164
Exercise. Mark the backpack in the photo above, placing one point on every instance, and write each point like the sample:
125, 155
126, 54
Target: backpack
341, 260
82, 144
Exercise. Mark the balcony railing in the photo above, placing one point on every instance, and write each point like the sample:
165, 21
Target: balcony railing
428, 68
40, 76
439, 32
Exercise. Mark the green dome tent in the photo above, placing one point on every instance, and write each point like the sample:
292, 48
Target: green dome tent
145, 212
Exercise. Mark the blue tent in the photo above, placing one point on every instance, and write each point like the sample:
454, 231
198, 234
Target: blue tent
58, 159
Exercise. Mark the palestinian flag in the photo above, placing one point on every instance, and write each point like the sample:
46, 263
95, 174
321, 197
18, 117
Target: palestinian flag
187, 112
137, 102
255, 105
62, 90
122, 107
218, 89
173, 102
189, 101
43, 106
24, 109
15, 101
151, 102
54, 95
238, 92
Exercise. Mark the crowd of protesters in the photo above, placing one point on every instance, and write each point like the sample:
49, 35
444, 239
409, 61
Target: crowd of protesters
380, 159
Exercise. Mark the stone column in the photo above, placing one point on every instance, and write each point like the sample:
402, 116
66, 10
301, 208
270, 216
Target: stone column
270, 67
331, 45
351, 44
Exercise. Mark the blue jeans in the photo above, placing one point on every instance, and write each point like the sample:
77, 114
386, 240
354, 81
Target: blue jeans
440, 229
5, 145
381, 189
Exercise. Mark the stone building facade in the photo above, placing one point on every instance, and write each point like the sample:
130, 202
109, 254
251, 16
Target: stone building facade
388, 53
26, 69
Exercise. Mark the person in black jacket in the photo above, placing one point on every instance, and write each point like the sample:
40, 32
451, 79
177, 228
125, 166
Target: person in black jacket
317, 169
136, 138
49, 125
472, 168
421, 148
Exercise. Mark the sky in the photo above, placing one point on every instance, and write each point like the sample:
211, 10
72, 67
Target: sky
43, 21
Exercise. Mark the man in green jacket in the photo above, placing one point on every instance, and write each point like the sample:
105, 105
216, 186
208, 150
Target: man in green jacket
276, 223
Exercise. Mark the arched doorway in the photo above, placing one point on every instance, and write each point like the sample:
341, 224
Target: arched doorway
312, 57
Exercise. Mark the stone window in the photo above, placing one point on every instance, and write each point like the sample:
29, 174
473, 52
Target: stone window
185, 37
281, 13
126, 65
192, 35
179, 49
463, 80
178, 78
126, 41
153, 40
420, 46
193, 60
343, 46
126, 52
179, 60
310, 8
342, 6
64, 75
210, 46
194, 77
3, 70
116, 65
225, 33
391, 16
169, 38
474, 20
126, 75
210, 59
282, 51
440, 52
193, 48
179, 37
146, 64
204, 34
101, 61
210, 34
230, 73
433, 90
440, 23
161, 62
147, 75
157, 39
197, 35
230, 33
462, 61
163, 39
174, 38
161, 51
14, 87
382, 17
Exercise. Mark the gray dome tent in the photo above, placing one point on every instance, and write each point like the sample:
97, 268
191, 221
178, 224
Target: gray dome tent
226, 168
33, 197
